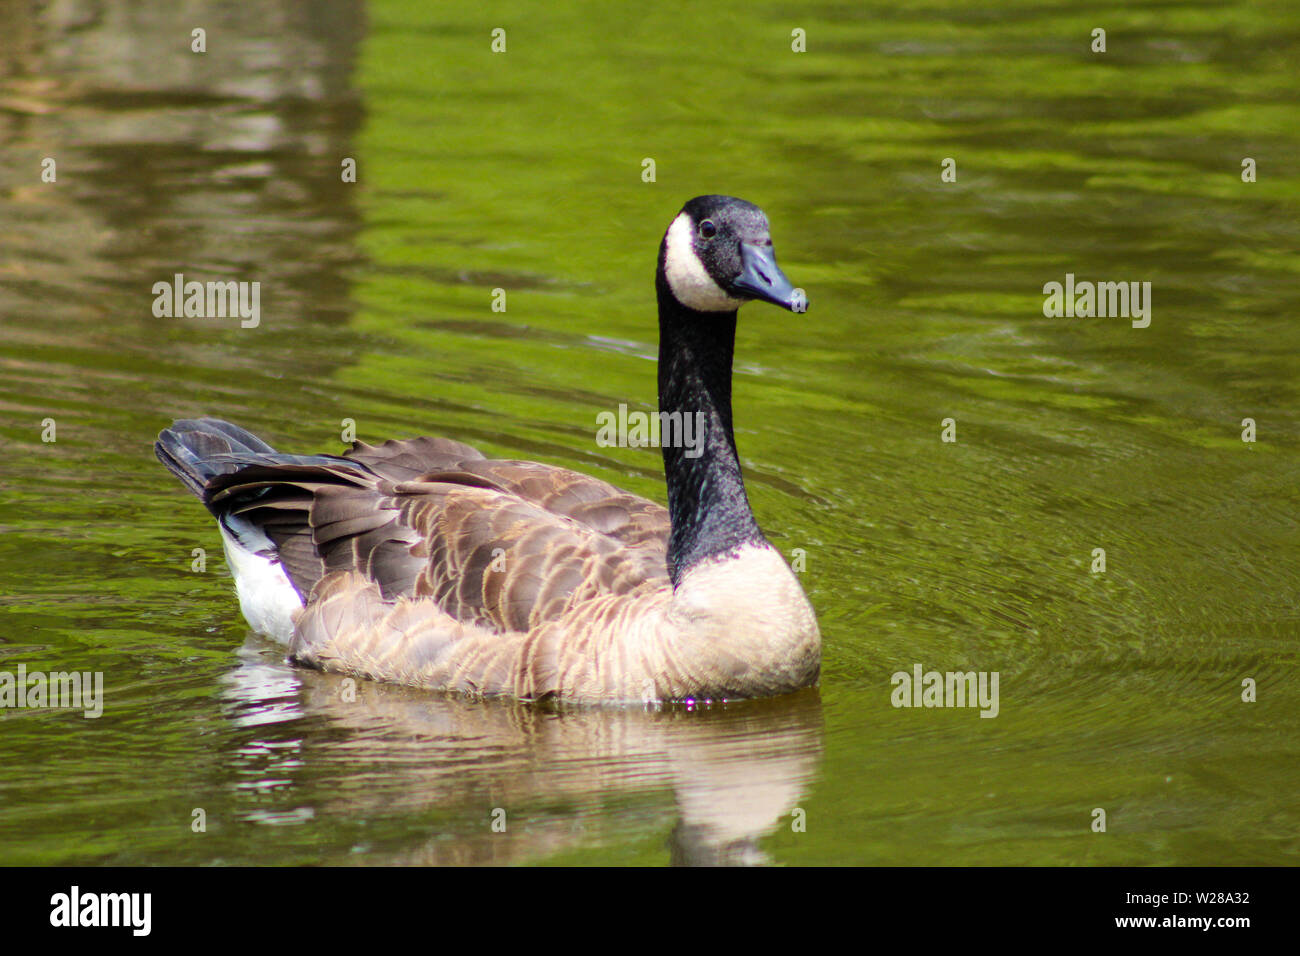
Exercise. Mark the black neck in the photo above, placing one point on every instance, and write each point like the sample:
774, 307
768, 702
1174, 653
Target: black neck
706, 495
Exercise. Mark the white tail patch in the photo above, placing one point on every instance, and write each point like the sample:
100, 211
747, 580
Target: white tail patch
266, 598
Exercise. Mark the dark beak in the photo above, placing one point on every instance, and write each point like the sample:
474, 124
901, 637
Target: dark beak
760, 278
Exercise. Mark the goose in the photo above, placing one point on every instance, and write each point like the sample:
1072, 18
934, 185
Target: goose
422, 562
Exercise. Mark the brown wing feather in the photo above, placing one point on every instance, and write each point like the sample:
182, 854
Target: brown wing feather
625, 517
279, 498
499, 545
496, 560
601, 506
407, 458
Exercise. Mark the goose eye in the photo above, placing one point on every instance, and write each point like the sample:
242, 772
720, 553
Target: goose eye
707, 229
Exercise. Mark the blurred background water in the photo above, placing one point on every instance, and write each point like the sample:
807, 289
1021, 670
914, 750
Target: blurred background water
522, 171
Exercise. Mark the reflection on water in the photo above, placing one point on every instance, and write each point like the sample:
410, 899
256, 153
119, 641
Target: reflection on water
735, 772
222, 165
522, 172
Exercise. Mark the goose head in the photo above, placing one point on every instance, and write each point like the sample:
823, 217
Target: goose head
717, 255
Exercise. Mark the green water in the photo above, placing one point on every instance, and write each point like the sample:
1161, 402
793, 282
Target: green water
522, 171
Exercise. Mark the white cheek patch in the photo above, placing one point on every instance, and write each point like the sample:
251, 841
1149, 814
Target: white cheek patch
690, 282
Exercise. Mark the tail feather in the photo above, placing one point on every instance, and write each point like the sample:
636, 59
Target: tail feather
197, 451
250, 488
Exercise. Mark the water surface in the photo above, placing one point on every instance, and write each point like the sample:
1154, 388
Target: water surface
522, 172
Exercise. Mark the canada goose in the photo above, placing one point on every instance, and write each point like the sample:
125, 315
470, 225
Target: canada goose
424, 563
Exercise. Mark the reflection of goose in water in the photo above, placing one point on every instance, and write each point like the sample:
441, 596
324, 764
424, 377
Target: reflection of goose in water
565, 778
